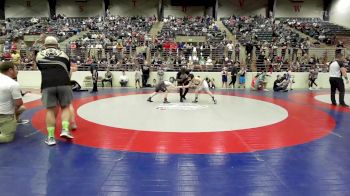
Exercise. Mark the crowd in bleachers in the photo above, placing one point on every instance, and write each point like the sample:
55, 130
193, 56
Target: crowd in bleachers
122, 42
277, 46
324, 32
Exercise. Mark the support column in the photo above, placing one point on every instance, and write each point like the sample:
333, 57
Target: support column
2, 10
52, 8
270, 12
106, 4
160, 11
215, 10
326, 8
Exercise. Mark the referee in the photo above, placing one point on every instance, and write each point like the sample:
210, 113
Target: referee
337, 72
55, 66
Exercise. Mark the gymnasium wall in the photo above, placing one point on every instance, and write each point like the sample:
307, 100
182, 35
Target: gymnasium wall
75, 9
241, 7
284, 8
225, 8
180, 11
133, 7
309, 8
340, 12
32, 79
26, 8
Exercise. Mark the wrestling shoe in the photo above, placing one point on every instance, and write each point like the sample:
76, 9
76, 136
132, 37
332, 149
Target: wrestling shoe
22, 122
66, 134
149, 99
214, 100
50, 141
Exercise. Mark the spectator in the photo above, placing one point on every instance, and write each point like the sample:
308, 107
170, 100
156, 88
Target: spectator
123, 80
241, 74
108, 78
313, 73
290, 78
280, 84
229, 47
138, 77
237, 51
224, 77
209, 63
16, 58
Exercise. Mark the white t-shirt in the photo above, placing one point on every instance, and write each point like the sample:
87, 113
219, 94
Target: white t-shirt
229, 47
167, 83
138, 75
334, 69
9, 91
124, 78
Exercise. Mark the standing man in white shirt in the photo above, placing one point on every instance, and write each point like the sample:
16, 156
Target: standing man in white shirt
337, 72
10, 101
229, 49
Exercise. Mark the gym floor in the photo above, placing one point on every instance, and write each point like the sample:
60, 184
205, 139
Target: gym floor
249, 143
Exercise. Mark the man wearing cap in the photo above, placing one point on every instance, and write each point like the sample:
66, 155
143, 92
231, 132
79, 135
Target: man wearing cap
11, 103
55, 66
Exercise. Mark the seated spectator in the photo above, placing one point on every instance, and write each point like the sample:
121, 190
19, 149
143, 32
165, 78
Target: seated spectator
195, 59
16, 58
280, 84
123, 80
76, 86
202, 61
108, 78
27, 63
209, 63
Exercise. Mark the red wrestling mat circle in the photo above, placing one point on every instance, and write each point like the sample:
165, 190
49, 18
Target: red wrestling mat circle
303, 124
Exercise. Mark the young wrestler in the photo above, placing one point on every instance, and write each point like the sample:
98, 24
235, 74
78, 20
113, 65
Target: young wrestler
199, 84
163, 86
259, 82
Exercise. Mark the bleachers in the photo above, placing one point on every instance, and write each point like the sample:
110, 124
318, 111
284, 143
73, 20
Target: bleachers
121, 39
323, 31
